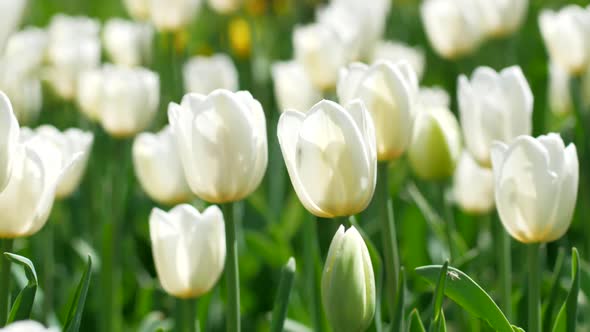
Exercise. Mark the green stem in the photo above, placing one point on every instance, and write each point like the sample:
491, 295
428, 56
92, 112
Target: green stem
312, 280
504, 265
5, 246
385, 208
48, 239
282, 301
231, 270
185, 315
534, 292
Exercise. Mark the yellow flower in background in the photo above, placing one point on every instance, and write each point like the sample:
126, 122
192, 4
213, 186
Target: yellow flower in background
240, 37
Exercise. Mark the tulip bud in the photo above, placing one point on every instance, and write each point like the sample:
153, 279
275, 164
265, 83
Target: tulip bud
225, 6
11, 12
292, 87
173, 15
203, 74
188, 249
128, 43
453, 27
560, 98
536, 185
473, 186
436, 145
494, 107
138, 9
74, 46
397, 52
565, 33
158, 167
26, 49
501, 18
348, 283
389, 92
9, 137
331, 157
221, 140
26, 326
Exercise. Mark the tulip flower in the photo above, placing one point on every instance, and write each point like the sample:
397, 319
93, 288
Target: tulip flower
473, 186
347, 24
389, 92
565, 33
158, 167
560, 98
292, 86
494, 107
331, 157
221, 140
224, 6
173, 15
74, 46
124, 100
128, 43
433, 97
203, 74
72, 143
397, 51
501, 18
348, 283
436, 144
26, 49
453, 27
9, 138
27, 326
11, 15
138, 9
188, 248
536, 185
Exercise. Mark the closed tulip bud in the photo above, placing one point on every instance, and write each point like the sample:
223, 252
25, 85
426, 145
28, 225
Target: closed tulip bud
11, 14
204, 74
9, 137
436, 145
88, 95
25, 50
138, 9
536, 185
473, 186
453, 27
74, 144
225, 6
565, 33
348, 283
221, 140
188, 249
26, 326
503, 17
331, 157
389, 92
128, 43
321, 51
158, 167
173, 15
347, 24
397, 51
292, 86
74, 46
433, 97
560, 98
494, 107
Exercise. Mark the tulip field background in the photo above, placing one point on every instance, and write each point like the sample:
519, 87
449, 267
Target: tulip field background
273, 225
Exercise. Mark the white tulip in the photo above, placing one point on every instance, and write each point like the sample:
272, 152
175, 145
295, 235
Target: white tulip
397, 51
322, 51
347, 24
11, 13
188, 249
502, 17
26, 326
473, 186
72, 143
204, 74
124, 100
9, 137
221, 140
536, 185
565, 33
138, 9
453, 27
26, 49
331, 157
172, 15
434, 97
389, 91
494, 107
292, 86
560, 99
225, 6
128, 43
158, 167
74, 46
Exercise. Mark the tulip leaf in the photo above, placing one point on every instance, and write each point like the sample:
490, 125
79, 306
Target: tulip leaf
441, 323
284, 293
468, 294
439, 293
23, 304
566, 318
398, 319
415, 324
77, 306
551, 303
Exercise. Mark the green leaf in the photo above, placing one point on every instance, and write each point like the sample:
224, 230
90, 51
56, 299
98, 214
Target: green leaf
469, 295
398, 319
439, 293
284, 293
441, 324
77, 307
551, 304
415, 324
566, 318
23, 304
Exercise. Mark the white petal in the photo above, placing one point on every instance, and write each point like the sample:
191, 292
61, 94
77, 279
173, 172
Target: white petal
9, 134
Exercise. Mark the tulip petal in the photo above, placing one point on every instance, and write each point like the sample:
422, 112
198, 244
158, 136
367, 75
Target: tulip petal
9, 134
349, 81
520, 100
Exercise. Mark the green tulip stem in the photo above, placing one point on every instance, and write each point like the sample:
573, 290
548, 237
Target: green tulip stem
385, 208
48, 240
186, 315
534, 284
312, 269
284, 293
5, 246
232, 278
504, 265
